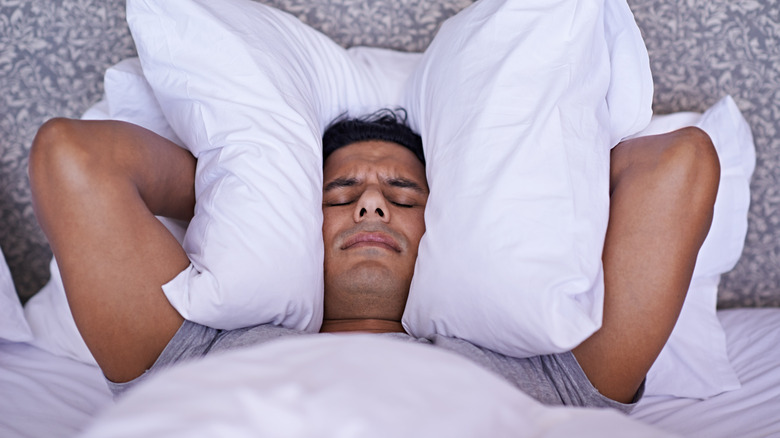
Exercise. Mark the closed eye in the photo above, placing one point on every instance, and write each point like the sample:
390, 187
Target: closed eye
398, 204
337, 204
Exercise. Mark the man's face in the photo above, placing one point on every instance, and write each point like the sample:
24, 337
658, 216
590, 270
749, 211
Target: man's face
374, 198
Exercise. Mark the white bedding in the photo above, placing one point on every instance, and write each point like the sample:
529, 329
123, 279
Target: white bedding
753, 339
345, 386
44, 395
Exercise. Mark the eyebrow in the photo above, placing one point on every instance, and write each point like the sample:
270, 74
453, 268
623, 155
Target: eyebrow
339, 183
400, 182
405, 183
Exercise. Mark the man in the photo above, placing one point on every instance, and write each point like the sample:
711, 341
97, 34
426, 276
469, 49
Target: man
98, 184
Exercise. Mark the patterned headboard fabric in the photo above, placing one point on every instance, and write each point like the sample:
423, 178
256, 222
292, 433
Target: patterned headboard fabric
53, 55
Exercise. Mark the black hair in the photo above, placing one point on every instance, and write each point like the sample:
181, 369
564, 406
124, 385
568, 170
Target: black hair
385, 124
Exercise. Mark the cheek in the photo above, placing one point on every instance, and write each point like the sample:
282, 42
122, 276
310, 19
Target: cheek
415, 227
328, 238
334, 222
420, 224
328, 229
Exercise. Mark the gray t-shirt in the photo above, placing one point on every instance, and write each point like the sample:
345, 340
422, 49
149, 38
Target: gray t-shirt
555, 379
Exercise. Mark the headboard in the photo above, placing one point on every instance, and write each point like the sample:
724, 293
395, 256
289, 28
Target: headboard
53, 55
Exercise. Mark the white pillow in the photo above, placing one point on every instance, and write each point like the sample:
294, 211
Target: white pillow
13, 326
249, 90
733, 140
345, 386
130, 98
694, 363
514, 101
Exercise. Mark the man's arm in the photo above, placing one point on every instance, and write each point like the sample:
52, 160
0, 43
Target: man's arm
96, 188
662, 191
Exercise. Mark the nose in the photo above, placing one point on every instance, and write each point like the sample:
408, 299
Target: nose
372, 205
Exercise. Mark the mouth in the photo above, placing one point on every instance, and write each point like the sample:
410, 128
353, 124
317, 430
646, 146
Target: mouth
376, 240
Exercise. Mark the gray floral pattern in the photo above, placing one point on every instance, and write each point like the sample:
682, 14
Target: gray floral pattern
53, 55
407, 25
52, 58
701, 50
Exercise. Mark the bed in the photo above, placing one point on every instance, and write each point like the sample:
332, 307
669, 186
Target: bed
51, 386
51, 395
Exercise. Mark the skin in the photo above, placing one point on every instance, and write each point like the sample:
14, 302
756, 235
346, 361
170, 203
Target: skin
373, 204
98, 184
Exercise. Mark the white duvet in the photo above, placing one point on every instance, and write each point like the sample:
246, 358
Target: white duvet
345, 386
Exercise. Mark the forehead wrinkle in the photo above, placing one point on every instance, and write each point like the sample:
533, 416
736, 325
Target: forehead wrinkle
341, 182
372, 164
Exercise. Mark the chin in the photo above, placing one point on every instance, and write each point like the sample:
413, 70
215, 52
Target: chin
366, 290
372, 276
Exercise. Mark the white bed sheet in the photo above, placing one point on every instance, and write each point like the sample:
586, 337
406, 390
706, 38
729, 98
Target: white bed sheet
43, 395
753, 340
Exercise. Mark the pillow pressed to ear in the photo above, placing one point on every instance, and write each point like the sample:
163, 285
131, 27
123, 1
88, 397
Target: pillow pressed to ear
13, 325
518, 105
249, 90
694, 363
